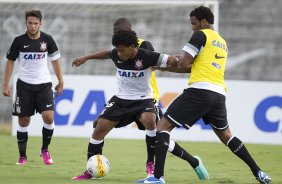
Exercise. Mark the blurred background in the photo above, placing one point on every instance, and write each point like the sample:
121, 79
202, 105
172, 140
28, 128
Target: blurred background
251, 28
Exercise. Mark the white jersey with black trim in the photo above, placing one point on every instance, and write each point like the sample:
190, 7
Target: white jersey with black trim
33, 56
134, 75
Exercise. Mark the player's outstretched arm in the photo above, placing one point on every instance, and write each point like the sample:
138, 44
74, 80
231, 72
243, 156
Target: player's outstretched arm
172, 69
103, 54
184, 64
7, 75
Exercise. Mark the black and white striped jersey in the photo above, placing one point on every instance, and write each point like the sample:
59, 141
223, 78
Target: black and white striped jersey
133, 76
32, 56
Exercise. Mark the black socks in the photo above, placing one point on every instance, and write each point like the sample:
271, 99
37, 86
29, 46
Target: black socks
22, 138
238, 148
46, 137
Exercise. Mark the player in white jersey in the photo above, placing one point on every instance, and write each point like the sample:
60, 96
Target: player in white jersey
174, 148
134, 100
33, 50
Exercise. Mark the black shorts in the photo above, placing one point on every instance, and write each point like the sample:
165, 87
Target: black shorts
31, 98
159, 114
194, 104
126, 111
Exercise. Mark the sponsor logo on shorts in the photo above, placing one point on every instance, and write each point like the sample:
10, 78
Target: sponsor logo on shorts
49, 105
110, 104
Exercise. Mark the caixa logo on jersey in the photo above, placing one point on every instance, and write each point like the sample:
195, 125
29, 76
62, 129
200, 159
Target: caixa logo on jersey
268, 114
34, 56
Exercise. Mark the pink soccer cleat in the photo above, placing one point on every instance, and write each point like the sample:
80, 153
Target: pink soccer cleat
22, 161
84, 176
47, 159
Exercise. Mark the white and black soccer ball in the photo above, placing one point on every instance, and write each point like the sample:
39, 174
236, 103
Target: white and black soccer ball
98, 166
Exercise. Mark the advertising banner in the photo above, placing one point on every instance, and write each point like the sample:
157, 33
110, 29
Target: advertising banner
254, 110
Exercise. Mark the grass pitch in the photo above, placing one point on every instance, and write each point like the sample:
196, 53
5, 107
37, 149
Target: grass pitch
127, 158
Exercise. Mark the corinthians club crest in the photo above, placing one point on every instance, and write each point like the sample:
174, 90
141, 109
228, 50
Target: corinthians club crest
139, 64
43, 46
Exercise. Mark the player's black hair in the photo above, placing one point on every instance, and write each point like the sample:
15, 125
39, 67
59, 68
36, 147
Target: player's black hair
124, 22
203, 12
33, 13
126, 38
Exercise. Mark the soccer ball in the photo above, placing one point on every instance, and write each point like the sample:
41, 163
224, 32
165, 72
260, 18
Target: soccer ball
98, 166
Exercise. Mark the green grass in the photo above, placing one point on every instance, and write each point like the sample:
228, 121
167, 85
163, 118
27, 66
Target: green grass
127, 158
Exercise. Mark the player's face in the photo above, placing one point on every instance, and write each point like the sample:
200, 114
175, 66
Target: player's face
125, 53
199, 24
196, 24
32, 25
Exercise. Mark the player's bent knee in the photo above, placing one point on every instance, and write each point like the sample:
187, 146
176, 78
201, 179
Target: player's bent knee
149, 124
148, 120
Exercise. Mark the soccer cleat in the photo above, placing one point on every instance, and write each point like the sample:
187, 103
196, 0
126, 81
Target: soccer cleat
201, 170
263, 178
150, 171
155, 180
143, 180
84, 176
47, 159
22, 161
150, 168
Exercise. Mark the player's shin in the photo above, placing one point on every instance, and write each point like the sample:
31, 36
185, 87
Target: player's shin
150, 142
162, 142
238, 148
22, 137
47, 133
94, 147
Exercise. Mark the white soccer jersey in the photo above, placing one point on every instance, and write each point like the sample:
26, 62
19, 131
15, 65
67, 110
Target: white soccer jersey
33, 56
134, 76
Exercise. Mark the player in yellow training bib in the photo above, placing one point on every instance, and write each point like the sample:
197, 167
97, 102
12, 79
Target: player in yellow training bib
205, 57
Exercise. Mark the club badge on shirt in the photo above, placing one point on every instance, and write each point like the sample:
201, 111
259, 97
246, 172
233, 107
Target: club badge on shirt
43, 46
139, 64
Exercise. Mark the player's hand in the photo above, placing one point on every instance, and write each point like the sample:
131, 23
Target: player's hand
6, 90
59, 88
178, 55
79, 61
172, 61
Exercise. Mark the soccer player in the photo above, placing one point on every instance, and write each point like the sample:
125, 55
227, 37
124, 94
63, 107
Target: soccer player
174, 148
125, 24
134, 100
205, 55
34, 92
